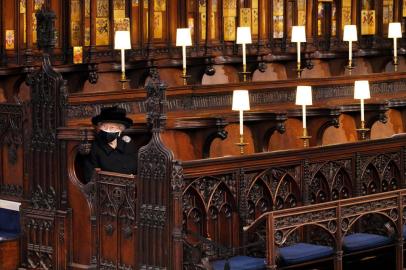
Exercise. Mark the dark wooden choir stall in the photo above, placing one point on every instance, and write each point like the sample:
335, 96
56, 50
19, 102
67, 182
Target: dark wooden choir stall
196, 202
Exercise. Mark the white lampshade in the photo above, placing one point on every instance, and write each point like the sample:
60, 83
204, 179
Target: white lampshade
304, 95
244, 35
361, 90
395, 30
298, 34
122, 40
350, 33
183, 37
241, 101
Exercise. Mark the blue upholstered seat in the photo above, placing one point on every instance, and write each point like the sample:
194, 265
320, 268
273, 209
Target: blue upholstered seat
9, 224
241, 263
360, 241
302, 252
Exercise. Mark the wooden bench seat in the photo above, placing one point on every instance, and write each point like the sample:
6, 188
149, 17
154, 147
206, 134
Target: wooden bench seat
351, 244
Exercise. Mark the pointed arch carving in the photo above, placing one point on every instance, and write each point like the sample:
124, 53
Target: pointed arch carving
380, 173
330, 180
223, 220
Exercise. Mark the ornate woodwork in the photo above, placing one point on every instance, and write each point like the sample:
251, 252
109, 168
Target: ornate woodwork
69, 224
116, 197
159, 222
335, 219
44, 212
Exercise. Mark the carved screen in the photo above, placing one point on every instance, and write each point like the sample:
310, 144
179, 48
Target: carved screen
229, 19
387, 15
75, 23
102, 23
368, 18
278, 18
346, 13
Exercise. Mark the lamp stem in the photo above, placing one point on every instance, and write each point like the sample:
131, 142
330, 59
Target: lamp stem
241, 123
298, 54
244, 60
184, 76
122, 61
350, 51
123, 79
304, 115
362, 110
184, 56
395, 54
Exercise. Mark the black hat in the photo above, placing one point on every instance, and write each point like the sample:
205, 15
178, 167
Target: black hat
114, 115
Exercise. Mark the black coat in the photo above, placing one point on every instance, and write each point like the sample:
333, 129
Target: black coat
122, 159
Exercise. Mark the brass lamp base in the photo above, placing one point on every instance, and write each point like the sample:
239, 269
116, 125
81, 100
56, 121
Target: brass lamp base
305, 137
362, 131
241, 144
350, 67
299, 70
123, 80
185, 76
245, 74
395, 63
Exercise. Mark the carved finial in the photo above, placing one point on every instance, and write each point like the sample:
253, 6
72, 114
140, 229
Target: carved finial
46, 33
156, 102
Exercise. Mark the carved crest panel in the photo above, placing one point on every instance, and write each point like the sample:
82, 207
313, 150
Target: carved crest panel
115, 218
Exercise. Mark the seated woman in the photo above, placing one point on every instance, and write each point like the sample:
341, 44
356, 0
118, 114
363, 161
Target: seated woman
110, 151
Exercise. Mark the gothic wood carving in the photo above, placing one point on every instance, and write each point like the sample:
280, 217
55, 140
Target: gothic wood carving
158, 218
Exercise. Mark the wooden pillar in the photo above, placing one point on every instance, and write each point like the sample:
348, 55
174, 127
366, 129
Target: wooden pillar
93, 14
399, 240
150, 28
28, 51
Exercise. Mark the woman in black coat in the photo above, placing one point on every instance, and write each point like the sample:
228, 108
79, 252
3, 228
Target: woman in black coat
110, 151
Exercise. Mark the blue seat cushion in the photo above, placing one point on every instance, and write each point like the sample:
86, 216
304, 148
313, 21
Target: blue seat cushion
360, 241
302, 252
9, 221
241, 263
5, 236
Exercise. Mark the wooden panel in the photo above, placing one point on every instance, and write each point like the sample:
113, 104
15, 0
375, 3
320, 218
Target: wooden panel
10, 254
394, 125
289, 139
221, 148
344, 133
